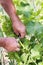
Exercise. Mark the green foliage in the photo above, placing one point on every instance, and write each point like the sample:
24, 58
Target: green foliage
31, 49
1, 34
34, 27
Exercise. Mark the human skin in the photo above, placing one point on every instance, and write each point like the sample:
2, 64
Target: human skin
10, 44
17, 25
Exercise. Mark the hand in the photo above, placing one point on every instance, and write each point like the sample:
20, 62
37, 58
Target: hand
11, 44
18, 27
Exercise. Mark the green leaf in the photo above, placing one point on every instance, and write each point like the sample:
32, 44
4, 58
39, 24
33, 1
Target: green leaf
41, 63
33, 27
35, 54
24, 57
24, 4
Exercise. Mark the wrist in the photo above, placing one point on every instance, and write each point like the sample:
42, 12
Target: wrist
15, 18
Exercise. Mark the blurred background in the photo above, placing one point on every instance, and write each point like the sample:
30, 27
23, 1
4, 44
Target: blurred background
31, 14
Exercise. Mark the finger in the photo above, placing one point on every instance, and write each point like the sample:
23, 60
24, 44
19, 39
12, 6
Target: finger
23, 35
17, 49
18, 45
16, 32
